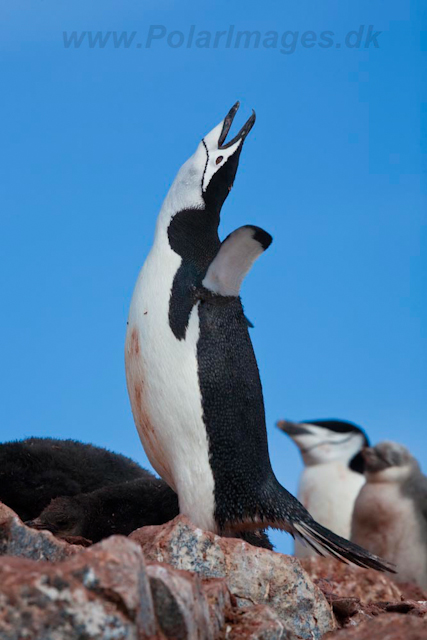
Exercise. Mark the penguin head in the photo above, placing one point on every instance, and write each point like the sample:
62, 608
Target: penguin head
388, 462
325, 441
63, 517
205, 180
221, 159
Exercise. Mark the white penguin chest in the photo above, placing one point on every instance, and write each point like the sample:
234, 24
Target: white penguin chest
163, 385
328, 492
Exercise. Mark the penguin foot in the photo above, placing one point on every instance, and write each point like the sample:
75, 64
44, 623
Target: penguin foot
257, 538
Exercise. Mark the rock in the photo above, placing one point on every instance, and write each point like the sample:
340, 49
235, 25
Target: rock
412, 591
18, 540
181, 607
347, 580
115, 569
83, 542
384, 627
257, 623
358, 595
220, 601
351, 611
343, 607
195, 586
254, 576
101, 592
413, 607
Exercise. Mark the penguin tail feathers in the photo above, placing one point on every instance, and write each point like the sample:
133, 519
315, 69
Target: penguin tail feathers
325, 542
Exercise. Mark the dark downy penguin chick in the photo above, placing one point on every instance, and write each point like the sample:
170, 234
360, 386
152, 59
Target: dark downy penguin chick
192, 375
36, 470
118, 509
332, 474
390, 513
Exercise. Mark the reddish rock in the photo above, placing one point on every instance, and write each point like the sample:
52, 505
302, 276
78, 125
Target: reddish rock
412, 591
257, 623
351, 611
347, 580
18, 540
377, 594
83, 542
411, 607
102, 592
384, 627
181, 607
220, 601
253, 575
115, 568
197, 586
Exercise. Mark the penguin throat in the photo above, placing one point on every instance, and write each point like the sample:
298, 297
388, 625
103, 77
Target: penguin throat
193, 235
221, 182
357, 463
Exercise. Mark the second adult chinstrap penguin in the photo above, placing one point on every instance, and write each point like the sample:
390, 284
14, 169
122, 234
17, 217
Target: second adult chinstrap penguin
333, 471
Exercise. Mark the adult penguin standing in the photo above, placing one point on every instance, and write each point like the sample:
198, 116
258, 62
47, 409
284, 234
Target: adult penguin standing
332, 476
192, 375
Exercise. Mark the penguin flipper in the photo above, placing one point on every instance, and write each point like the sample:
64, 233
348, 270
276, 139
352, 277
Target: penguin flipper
249, 323
235, 257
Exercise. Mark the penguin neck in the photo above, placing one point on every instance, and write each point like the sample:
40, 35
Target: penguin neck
193, 235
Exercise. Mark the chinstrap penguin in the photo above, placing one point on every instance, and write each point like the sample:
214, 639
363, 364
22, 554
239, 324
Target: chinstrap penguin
390, 512
36, 470
332, 474
191, 372
118, 509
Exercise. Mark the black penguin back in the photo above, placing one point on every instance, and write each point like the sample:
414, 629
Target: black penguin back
36, 470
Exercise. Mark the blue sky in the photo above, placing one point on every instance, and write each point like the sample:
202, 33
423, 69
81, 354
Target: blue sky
334, 169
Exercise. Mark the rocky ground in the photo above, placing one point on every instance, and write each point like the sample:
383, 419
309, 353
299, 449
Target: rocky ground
178, 582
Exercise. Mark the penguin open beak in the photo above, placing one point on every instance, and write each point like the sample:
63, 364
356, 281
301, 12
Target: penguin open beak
228, 121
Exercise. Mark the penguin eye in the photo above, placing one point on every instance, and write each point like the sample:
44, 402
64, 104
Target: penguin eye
219, 159
61, 522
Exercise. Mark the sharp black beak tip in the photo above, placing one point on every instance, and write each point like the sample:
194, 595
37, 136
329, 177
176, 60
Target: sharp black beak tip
233, 110
249, 124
